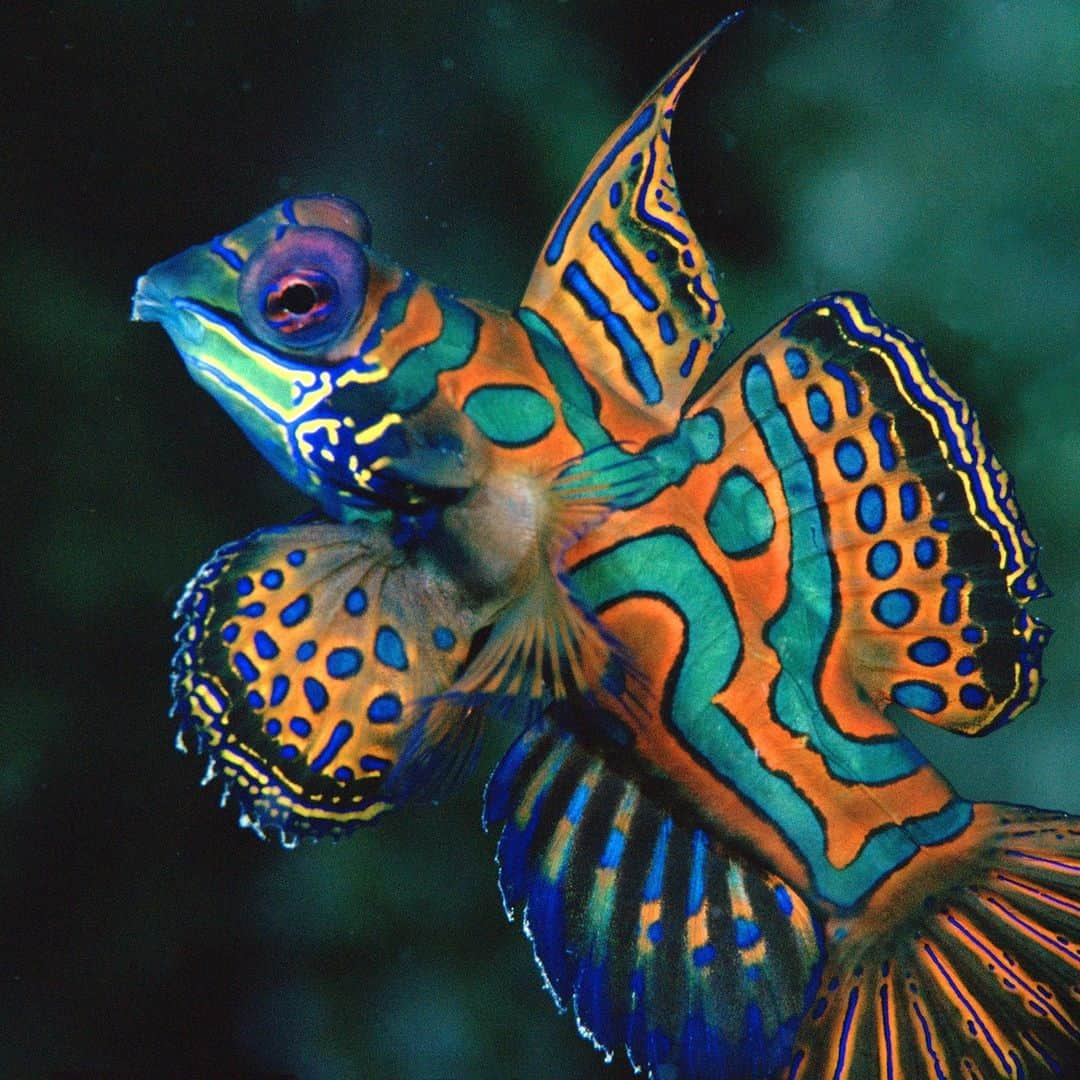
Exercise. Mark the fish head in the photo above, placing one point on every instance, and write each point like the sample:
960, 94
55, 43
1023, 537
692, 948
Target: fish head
271, 319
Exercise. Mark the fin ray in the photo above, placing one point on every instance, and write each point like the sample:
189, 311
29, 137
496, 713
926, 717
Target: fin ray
301, 651
661, 942
622, 278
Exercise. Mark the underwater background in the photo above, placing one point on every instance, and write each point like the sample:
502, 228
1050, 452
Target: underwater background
923, 153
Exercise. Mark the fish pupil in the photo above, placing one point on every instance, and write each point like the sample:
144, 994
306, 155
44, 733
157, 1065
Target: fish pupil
298, 299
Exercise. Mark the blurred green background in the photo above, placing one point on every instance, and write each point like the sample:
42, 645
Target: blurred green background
924, 153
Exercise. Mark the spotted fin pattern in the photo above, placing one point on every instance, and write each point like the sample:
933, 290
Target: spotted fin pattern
622, 278
932, 564
696, 961
305, 657
983, 981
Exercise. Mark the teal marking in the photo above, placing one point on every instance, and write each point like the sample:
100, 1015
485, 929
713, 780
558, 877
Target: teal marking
712, 648
713, 639
510, 415
666, 462
800, 633
578, 402
413, 382
740, 519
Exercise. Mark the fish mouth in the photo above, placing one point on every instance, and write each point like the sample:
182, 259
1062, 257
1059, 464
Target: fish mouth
152, 304
149, 304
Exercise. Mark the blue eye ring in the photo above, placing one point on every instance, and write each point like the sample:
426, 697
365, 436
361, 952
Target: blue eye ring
304, 289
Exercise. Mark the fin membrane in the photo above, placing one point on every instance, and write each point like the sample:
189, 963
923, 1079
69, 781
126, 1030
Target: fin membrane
695, 961
932, 565
984, 981
622, 279
306, 656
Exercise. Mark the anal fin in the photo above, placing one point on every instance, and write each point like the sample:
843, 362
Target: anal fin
694, 960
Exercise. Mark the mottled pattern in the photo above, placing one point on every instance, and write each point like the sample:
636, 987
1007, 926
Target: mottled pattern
702, 605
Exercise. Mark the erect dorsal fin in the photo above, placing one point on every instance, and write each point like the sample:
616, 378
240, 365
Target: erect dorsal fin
622, 278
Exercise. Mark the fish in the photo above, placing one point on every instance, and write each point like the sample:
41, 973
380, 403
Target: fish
700, 600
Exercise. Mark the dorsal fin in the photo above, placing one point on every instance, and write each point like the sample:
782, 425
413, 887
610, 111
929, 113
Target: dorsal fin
696, 961
622, 278
921, 541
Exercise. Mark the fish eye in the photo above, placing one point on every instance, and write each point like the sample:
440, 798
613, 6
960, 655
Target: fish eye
304, 289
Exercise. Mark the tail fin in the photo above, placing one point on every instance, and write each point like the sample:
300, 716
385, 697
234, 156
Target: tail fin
980, 979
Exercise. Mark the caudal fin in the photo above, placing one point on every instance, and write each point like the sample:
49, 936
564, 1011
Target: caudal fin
980, 979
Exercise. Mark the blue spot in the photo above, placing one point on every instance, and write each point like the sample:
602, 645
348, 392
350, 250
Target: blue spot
230, 633
390, 649
278, 689
688, 258
613, 850
272, 579
356, 601
895, 608
245, 586
916, 694
851, 389
615, 195
296, 558
820, 408
783, 901
879, 428
443, 638
929, 651
248, 671
691, 354
668, 333
341, 734
747, 933
939, 524
652, 255
255, 699
704, 954
656, 932
884, 559
971, 634
965, 665
577, 803
289, 752
299, 726
973, 696
909, 501
297, 611
273, 727
306, 650
384, 709
926, 552
797, 363
343, 772
252, 611
265, 645
870, 509
950, 601
850, 459
374, 763
343, 663
316, 694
